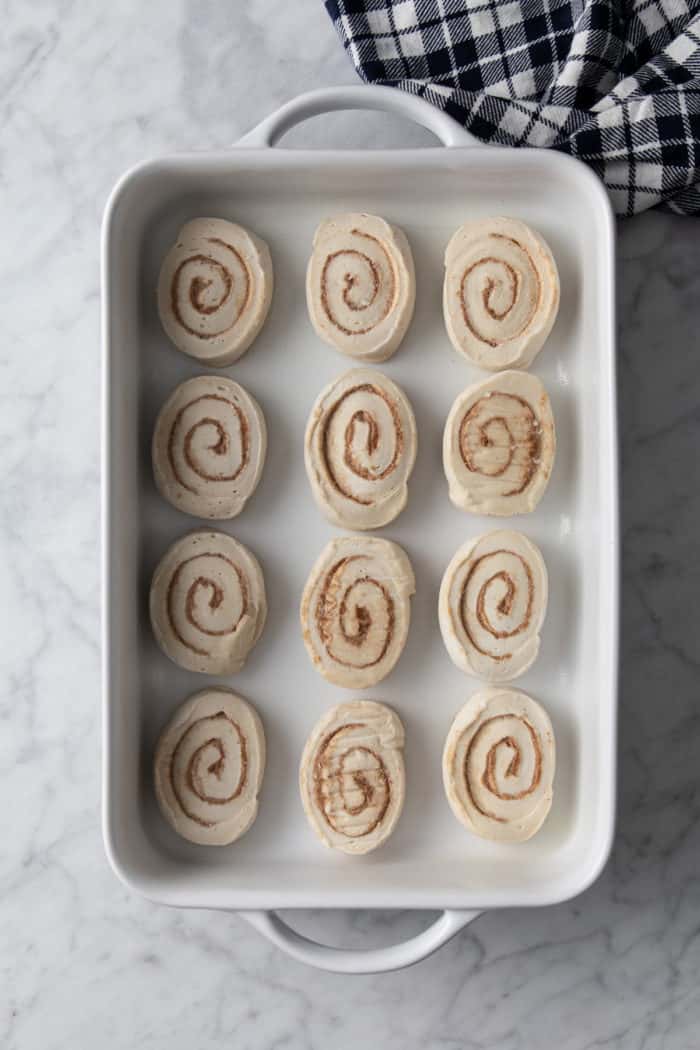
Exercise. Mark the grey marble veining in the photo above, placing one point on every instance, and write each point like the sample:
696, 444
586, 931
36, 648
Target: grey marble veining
86, 91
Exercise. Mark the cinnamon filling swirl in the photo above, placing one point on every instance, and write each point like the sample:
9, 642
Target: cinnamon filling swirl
500, 433
361, 438
492, 604
491, 778
502, 286
220, 447
352, 777
207, 764
359, 449
501, 292
216, 594
210, 288
364, 284
360, 285
504, 606
353, 788
209, 446
208, 767
367, 627
498, 765
207, 602
214, 290
355, 610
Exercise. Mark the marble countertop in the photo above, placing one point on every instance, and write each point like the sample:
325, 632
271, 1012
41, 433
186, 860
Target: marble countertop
88, 90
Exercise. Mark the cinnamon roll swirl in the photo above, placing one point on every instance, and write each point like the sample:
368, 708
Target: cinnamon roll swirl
360, 285
493, 601
209, 766
355, 610
501, 293
359, 449
498, 446
352, 777
209, 447
208, 605
214, 290
498, 765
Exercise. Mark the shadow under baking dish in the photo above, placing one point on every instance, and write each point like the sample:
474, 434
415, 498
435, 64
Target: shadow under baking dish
431, 861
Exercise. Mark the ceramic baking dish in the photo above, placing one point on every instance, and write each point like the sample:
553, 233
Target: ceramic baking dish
430, 862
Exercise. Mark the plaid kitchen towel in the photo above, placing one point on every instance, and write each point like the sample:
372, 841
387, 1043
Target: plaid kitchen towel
615, 83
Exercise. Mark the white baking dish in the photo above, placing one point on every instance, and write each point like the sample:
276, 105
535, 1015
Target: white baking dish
430, 862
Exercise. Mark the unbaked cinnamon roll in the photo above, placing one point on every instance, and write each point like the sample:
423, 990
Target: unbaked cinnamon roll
359, 449
498, 446
352, 777
209, 766
493, 601
208, 605
214, 290
209, 447
360, 285
498, 765
501, 292
356, 610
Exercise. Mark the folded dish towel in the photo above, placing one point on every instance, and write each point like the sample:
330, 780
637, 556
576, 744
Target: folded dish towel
614, 83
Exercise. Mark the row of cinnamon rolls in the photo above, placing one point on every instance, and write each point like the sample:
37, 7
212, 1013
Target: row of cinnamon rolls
208, 606
500, 291
498, 767
360, 445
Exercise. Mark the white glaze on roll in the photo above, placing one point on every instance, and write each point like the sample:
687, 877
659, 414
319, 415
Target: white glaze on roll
498, 765
360, 285
208, 605
214, 290
209, 766
209, 447
356, 610
359, 449
352, 778
498, 446
493, 601
501, 292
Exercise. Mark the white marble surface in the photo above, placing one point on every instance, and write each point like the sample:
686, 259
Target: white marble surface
87, 90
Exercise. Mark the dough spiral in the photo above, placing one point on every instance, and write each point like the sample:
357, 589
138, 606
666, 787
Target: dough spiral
214, 290
360, 448
208, 604
498, 765
209, 766
355, 610
501, 293
209, 447
360, 285
493, 601
499, 444
352, 777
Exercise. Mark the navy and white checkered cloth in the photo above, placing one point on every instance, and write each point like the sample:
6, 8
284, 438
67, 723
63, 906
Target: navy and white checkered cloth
615, 83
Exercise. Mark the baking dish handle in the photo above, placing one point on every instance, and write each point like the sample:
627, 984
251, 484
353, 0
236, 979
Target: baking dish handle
359, 960
386, 99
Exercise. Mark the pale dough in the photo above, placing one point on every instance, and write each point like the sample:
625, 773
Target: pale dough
498, 765
214, 290
208, 604
360, 285
209, 447
352, 778
356, 610
209, 766
499, 444
360, 448
492, 605
501, 292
